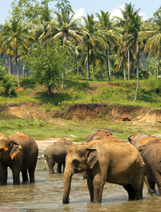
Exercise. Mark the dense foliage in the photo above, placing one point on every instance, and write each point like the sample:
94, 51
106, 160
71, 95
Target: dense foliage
128, 47
48, 63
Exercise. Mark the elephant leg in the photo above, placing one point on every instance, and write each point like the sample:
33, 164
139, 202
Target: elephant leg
3, 174
138, 189
16, 176
32, 171
24, 176
151, 186
63, 166
59, 168
90, 187
51, 165
130, 191
84, 175
98, 188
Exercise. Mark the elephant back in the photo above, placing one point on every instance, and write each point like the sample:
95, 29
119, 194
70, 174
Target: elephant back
135, 138
63, 141
28, 144
100, 133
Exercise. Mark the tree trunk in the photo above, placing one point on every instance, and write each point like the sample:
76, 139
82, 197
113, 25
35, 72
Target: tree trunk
128, 64
108, 65
18, 79
49, 91
62, 86
137, 84
93, 72
158, 66
88, 71
124, 67
23, 72
9, 66
77, 67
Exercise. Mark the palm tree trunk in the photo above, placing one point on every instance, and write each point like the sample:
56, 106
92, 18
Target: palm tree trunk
18, 79
158, 66
23, 72
9, 66
108, 65
128, 64
93, 72
88, 71
137, 84
63, 77
124, 67
77, 67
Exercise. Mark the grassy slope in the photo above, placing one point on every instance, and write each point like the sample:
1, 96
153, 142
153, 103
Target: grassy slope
118, 92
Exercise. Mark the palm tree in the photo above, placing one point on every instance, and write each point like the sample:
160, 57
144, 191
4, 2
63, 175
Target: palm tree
153, 34
128, 13
42, 24
92, 38
131, 23
14, 34
106, 27
64, 27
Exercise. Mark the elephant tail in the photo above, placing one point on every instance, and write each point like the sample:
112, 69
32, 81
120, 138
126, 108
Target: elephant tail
149, 189
44, 162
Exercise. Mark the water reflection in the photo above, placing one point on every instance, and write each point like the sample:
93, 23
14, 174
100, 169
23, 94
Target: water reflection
46, 195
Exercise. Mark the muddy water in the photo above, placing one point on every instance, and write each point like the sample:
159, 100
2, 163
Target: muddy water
46, 195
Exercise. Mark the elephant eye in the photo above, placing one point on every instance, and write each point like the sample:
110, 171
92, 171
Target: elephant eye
75, 161
1, 150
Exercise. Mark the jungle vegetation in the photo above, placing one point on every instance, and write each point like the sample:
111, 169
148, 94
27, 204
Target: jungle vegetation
52, 46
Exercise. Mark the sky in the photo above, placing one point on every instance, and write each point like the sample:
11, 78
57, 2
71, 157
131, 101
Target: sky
84, 7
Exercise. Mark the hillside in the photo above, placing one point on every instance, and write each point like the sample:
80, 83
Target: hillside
81, 103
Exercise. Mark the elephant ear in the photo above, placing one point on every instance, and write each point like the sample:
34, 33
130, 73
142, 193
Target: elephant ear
16, 149
92, 157
141, 149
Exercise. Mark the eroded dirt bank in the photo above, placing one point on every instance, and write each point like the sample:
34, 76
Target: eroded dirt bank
85, 111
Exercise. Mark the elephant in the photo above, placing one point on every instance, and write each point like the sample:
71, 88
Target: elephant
102, 132
151, 154
139, 139
108, 160
18, 151
56, 153
98, 135
133, 139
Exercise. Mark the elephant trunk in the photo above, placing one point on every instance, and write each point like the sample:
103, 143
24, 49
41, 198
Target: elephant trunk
67, 185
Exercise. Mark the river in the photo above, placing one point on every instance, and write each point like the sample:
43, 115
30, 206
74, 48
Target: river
46, 195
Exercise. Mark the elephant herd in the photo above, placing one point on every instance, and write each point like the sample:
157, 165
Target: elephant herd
102, 158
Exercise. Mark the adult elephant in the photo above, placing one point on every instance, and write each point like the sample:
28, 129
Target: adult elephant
56, 153
108, 160
97, 135
19, 152
99, 132
139, 139
151, 154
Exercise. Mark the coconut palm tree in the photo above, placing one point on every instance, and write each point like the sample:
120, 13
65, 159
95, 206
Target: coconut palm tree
153, 36
14, 34
92, 38
64, 27
41, 25
131, 23
128, 13
106, 27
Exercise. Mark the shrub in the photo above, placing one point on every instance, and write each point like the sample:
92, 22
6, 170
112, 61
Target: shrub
5, 80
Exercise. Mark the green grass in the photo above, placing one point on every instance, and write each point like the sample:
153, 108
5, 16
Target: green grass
120, 92
77, 131
77, 91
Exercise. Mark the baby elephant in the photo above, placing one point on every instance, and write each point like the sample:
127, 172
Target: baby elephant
56, 153
19, 152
